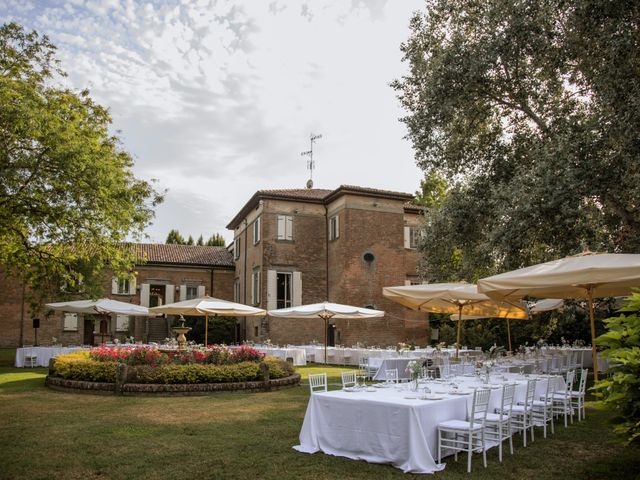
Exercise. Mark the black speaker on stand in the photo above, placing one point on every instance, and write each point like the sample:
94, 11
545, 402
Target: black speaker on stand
36, 326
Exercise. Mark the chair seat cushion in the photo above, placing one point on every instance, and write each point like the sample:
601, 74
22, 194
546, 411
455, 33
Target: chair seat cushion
459, 425
542, 403
496, 418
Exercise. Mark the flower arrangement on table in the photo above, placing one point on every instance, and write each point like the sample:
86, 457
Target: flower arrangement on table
414, 368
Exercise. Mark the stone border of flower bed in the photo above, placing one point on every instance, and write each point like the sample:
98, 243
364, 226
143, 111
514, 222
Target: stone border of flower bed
78, 386
122, 388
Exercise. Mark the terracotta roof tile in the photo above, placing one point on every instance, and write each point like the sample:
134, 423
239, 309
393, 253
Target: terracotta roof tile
315, 195
301, 193
184, 254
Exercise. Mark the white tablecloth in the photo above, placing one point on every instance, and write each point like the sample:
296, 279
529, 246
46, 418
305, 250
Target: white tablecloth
298, 354
391, 363
385, 427
44, 354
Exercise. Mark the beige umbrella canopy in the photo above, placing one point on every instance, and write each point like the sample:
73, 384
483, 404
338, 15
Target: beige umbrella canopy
208, 306
461, 298
326, 311
585, 276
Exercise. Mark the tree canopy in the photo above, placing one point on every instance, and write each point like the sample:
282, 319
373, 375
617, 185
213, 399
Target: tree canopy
174, 236
68, 196
531, 112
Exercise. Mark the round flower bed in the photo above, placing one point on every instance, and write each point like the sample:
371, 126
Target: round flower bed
141, 369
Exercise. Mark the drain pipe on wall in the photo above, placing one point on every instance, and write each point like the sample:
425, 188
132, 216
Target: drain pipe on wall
326, 249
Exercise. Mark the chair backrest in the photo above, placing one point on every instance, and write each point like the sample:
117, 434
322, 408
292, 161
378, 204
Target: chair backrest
480, 405
531, 393
552, 386
391, 375
364, 363
348, 379
571, 375
318, 382
506, 403
583, 380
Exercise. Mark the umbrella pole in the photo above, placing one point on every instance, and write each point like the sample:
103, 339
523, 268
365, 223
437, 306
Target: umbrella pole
459, 329
593, 333
509, 333
206, 330
325, 338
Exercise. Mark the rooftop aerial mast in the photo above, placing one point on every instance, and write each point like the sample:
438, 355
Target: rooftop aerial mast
310, 163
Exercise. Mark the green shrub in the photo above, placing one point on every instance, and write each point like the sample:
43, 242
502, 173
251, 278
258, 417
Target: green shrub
621, 390
195, 373
79, 366
278, 368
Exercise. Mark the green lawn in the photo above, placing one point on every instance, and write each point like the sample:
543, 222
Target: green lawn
47, 434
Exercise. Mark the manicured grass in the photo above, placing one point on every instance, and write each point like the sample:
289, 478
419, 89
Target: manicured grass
47, 434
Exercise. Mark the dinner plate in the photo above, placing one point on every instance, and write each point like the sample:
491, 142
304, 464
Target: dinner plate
369, 389
459, 392
442, 392
411, 397
349, 389
431, 397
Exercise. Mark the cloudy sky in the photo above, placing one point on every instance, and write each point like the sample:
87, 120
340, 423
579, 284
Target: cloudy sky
216, 99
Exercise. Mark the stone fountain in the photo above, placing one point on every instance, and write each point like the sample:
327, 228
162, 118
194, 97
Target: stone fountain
180, 331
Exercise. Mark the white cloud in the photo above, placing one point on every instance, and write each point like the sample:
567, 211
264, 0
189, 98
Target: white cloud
216, 99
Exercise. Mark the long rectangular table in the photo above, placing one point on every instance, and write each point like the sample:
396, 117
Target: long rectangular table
393, 425
43, 354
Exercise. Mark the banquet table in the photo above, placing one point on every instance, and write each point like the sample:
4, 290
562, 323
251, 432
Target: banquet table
298, 354
43, 354
399, 363
391, 424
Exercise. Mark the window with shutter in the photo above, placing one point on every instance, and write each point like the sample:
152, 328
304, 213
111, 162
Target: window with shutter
191, 291
284, 289
202, 291
285, 227
70, 322
236, 248
122, 323
334, 227
255, 287
256, 231
123, 286
236, 290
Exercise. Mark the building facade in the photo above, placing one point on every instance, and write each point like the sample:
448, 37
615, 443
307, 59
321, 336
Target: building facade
300, 246
165, 274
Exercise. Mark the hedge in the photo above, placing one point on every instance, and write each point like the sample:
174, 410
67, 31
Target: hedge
79, 366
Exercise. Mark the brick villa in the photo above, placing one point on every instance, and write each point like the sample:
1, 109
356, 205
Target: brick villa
291, 247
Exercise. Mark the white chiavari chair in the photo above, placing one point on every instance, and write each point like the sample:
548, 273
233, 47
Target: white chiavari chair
391, 375
578, 396
348, 379
498, 424
542, 409
466, 435
562, 399
318, 382
521, 420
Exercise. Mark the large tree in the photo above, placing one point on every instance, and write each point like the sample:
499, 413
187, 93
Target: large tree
531, 111
68, 196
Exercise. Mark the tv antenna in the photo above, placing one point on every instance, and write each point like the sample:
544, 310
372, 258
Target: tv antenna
310, 163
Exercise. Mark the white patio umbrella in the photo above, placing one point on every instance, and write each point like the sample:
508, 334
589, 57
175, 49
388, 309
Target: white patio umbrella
206, 306
100, 306
453, 298
326, 311
585, 276
547, 305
